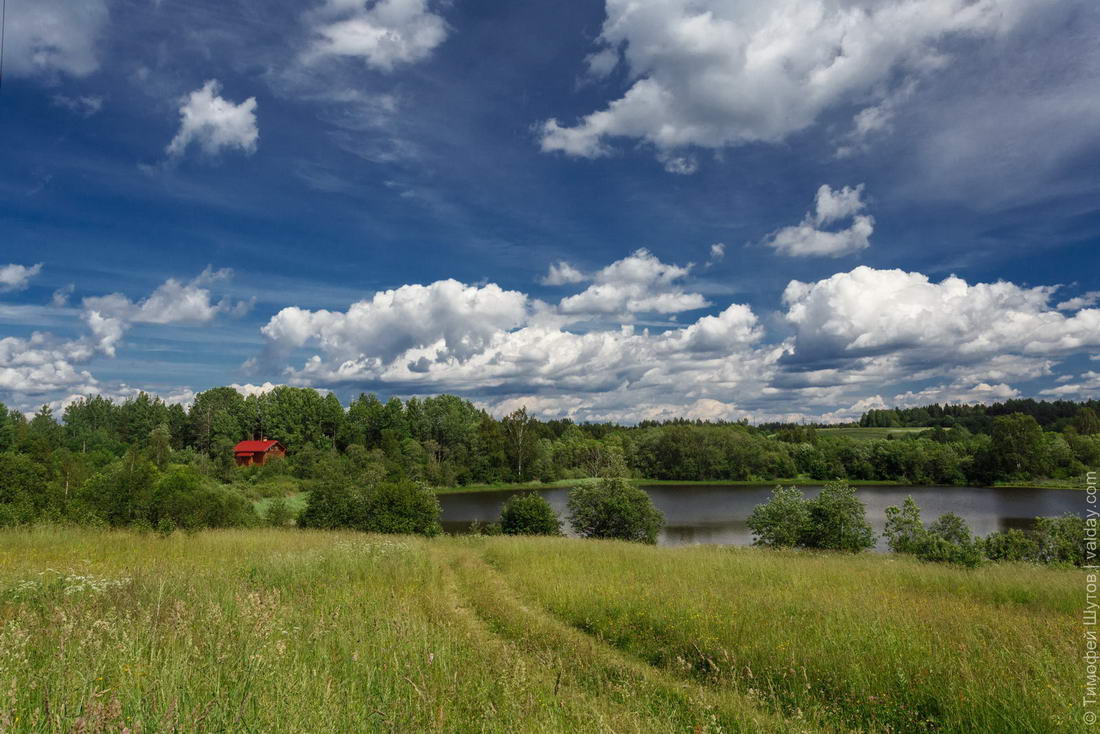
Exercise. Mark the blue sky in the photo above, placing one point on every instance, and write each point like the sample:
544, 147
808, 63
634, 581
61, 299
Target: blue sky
715, 208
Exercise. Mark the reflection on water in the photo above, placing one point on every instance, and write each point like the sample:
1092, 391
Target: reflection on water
716, 514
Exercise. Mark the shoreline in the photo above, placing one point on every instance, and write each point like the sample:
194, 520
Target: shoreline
569, 483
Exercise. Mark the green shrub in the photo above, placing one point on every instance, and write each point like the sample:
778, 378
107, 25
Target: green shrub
190, 501
1011, 545
938, 549
782, 521
528, 514
278, 513
904, 530
401, 507
837, 521
948, 540
614, 508
951, 528
1061, 539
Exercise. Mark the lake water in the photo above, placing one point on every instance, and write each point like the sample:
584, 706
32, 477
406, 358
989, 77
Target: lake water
717, 514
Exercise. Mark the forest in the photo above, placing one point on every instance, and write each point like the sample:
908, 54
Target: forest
143, 461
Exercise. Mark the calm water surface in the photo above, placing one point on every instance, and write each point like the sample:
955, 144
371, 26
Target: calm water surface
716, 514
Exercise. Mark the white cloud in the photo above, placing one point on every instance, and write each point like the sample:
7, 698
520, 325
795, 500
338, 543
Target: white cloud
172, 302
717, 73
1087, 386
17, 277
1085, 300
215, 123
84, 105
49, 37
449, 318
636, 284
717, 252
562, 273
383, 33
809, 239
60, 297
47, 368
483, 340
878, 326
248, 389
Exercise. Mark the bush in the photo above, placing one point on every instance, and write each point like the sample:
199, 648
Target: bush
939, 549
782, 521
614, 508
837, 521
529, 514
904, 530
402, 507
185, 499
951, 528
1010, 545
278, 513
1061, 539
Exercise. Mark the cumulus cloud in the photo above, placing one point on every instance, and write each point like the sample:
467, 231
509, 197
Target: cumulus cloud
45, 367
511, 350
16, 277
1085, 300
717, 252
717, 73
215, 123
881, 326
640, 283
562, 273
50, 37
448, 318
172, 302
809, 239
384, 34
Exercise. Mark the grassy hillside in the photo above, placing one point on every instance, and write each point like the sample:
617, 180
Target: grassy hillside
288, 631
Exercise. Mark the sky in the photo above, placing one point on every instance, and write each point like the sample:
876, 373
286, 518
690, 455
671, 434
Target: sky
627, 210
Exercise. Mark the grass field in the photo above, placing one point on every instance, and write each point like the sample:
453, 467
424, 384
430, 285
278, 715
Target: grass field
295, 631
868, 434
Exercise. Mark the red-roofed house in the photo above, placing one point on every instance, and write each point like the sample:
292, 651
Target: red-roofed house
248, 453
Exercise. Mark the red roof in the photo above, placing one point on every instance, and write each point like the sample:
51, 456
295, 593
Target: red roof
254, 447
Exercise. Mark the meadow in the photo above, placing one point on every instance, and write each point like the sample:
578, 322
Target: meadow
288, 630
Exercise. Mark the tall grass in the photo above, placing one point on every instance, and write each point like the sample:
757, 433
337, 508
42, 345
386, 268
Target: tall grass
293, 631
870, 642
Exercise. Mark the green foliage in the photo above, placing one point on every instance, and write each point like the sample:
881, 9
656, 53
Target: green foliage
403, 507
904, 530
1061, 540
781, 522
528, 514
386, 507
837, 521
1011, 545
1086, 422
614, 508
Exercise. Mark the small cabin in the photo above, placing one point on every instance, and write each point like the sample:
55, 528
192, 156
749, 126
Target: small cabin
249, 453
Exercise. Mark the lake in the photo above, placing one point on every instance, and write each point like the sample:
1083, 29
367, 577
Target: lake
700, 513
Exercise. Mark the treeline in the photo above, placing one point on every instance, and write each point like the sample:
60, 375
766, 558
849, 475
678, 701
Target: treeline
1054, 415
111, 461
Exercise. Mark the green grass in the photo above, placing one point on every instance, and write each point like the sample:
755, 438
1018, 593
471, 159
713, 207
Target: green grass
868, 434
296, 631
296, 501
